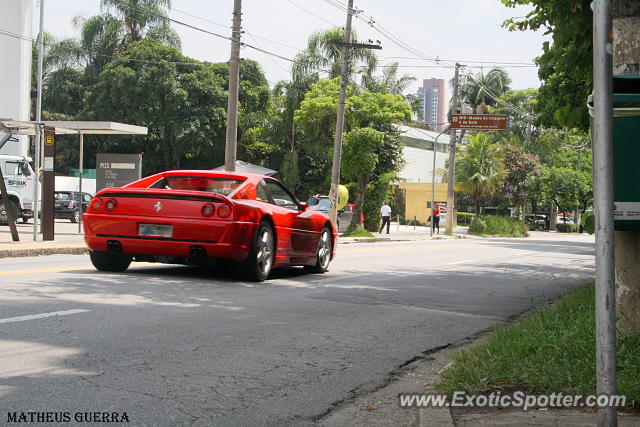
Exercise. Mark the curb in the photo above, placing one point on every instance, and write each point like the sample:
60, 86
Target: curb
435, 417
31, 252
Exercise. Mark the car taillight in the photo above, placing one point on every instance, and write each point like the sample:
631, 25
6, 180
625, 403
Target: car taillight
208, 210
224, 211
110, 205
95, 204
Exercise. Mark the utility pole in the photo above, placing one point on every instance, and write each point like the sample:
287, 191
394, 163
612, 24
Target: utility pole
603, 207
337, 144
38, 139
451, 208
234, 77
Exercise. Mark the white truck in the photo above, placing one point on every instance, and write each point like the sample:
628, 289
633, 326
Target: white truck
19, 181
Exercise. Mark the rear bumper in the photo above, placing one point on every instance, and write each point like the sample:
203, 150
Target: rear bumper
219, 239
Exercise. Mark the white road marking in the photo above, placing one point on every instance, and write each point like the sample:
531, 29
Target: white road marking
42, 315
461, 262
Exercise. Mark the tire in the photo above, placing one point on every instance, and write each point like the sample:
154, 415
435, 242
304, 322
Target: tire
258, 264
105, 261
323, 255
75, 217
25, 220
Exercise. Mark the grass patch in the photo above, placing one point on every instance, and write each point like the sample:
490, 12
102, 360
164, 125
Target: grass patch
550, 351
356, 231
503, 226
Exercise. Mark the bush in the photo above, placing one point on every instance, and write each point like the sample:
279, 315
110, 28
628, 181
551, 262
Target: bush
502, 226
356, 231
477, 227
567, 228
465, 217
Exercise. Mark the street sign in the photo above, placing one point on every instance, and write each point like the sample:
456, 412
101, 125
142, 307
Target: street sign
116, 170
479, 121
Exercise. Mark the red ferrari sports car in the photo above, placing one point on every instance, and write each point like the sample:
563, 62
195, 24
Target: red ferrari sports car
195, 216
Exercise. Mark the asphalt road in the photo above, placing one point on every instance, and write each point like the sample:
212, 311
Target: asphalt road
174, 345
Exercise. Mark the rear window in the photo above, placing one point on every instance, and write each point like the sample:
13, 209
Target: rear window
224, 186
323, 205
63, 196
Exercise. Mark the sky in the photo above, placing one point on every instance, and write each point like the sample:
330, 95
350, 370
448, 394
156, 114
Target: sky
466, 31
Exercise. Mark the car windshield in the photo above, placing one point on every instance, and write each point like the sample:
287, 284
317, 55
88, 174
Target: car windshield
216, 185
323, 205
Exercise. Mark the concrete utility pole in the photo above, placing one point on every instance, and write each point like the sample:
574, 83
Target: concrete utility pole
603, 207
626, 61
337, 145
451, 208
433, 177
234, 77
39, 134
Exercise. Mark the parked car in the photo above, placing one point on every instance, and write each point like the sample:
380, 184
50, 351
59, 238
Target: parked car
66, 205
321, 204
539, 220
198, 216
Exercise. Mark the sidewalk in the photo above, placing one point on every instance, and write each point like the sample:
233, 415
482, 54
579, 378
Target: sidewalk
400, 233
66, 242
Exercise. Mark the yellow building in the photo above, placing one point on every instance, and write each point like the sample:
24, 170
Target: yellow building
418, 198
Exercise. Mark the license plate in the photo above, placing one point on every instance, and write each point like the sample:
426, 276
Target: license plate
158, 230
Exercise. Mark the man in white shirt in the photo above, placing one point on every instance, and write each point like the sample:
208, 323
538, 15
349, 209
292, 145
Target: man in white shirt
385, 211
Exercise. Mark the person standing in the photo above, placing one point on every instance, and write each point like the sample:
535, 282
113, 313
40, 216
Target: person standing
436, 217
385, 211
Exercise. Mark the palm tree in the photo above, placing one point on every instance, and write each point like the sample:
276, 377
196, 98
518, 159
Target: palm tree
388, 82
324, 55
144, 18
478, 168
482, 89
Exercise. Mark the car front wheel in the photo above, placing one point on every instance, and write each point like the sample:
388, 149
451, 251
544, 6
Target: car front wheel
323, 256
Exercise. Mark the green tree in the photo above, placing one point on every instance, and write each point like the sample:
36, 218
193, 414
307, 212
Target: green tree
566, 63
142, 19
481, 88
478, 169
183, 103
520, 170
518, 120
359, 159
566, 187
388, 82
324, 55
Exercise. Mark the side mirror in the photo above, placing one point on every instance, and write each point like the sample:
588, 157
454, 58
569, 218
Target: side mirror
312, 201
303, 206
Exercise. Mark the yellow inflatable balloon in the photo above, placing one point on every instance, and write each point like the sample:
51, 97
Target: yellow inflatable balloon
343, 196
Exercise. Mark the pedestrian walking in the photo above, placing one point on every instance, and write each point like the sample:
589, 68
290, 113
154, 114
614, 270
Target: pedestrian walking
435, 216
385, 211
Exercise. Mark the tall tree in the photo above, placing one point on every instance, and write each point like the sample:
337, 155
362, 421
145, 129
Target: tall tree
323, 55
484, 88
388, 82
566, 63
478, 168
144, 18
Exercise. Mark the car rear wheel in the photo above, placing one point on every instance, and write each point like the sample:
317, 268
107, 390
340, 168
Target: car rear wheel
105, 261
323, 256
258, 264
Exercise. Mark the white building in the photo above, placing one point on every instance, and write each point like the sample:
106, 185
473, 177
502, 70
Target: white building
418, 154
15, 72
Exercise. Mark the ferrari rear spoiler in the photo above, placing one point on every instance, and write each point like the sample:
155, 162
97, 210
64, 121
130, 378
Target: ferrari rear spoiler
161, 193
